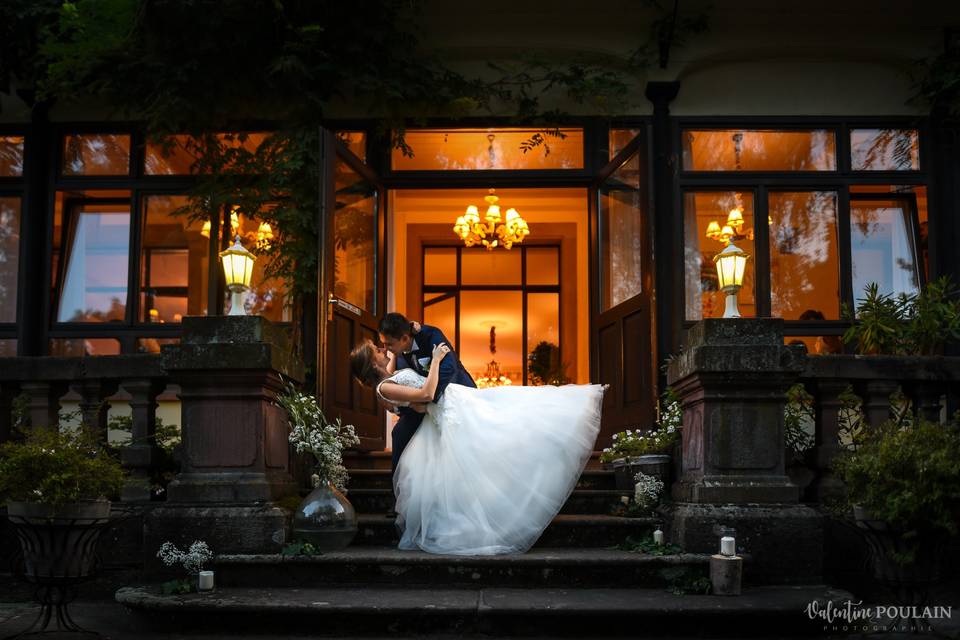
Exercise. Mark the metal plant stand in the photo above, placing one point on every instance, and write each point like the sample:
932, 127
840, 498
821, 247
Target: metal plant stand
56, 556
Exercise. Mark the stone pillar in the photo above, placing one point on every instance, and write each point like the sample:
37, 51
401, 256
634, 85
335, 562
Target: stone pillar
732, 379
235, 456
828, 407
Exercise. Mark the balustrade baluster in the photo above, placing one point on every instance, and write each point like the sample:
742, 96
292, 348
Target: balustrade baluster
44, 403
876, 399
143, 453
827, 408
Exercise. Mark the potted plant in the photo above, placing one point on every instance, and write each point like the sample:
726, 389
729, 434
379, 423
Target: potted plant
56, 483
903, 484
649, 452
325, 518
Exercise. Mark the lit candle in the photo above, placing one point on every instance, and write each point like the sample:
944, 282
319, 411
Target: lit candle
206, 581
728, 546
658, 536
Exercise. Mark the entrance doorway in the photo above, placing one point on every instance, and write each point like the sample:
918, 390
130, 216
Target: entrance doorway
571, 303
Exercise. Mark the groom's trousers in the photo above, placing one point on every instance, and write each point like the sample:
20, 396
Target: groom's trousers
402, 432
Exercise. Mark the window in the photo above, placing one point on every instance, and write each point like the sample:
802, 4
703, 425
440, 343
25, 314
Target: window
102, 154
178, 154
9, 257
489, 149
11, 156
815, 239
498, 307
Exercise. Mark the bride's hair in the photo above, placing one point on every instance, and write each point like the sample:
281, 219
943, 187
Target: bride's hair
361, 364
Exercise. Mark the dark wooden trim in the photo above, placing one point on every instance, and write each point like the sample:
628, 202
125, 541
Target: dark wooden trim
36, 216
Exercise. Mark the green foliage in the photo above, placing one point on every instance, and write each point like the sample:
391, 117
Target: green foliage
797, 414
648, 546
909, 477
914, 324
629, 509
166, 436
178, 587
544, 366
311, 432
682, 580
57, 466
300, 549
660, 439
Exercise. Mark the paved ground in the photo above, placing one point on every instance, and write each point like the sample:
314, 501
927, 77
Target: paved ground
97, 610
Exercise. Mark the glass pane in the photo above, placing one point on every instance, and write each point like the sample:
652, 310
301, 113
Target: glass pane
8, 348
442, 313
739, 150
804, 260
487, 149
9, 257
152, 345
177, 154
266, 296
500, 266
620, 138
703, 299
883, 246
440, 265
102, 154
481, 310
353, 238
543, 265
817, 345
174, 264
622, 213
544, 365
884, 150
11, 156
84, 347
94, 266
356, 141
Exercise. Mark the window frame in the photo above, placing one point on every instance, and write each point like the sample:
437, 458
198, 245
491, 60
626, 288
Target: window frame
16, 187
764, 182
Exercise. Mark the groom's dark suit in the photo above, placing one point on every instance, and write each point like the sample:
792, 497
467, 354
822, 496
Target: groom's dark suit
451, 371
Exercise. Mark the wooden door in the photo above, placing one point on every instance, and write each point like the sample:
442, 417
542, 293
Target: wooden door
353, 289
623, 340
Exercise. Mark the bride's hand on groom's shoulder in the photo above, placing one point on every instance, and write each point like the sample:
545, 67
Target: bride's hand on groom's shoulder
439, 351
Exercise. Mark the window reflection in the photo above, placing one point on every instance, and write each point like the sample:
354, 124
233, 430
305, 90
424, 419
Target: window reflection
11, 156
703, 299
174, 264
100, 154
804, 261
353, 237
93, 269
740, 150
73, 347
8, 348
9, 257
489, 149
620, 138
817, 345
355, 141
884, 149
622, 204
176, 155
883, 239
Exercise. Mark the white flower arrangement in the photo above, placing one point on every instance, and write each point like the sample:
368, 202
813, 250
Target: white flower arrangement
310, 432
656, 440
192, 559
646, 493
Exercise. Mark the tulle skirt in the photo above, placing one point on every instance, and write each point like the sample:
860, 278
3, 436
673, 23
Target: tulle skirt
488, 469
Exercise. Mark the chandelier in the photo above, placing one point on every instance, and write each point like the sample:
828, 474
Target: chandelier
494, 230
492, 376
732, 229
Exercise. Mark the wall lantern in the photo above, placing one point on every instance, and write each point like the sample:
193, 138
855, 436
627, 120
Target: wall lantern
731, 263
237, 269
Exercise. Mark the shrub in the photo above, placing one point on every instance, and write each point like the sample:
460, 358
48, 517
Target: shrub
660, 439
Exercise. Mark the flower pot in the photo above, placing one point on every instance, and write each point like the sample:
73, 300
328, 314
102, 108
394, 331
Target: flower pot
884, 542
58, 543
652, 464
325, 519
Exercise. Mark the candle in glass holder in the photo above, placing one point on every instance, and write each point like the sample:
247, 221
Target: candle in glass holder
658, 536
206, 581
728, 546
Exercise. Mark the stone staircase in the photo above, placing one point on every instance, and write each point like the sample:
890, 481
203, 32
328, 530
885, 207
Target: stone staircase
572, 583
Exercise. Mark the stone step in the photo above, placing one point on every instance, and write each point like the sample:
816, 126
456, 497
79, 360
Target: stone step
581, 501
598, 479
356, 611
565, 568
583, 531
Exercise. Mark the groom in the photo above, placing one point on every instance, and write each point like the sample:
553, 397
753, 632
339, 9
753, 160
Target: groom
412, 343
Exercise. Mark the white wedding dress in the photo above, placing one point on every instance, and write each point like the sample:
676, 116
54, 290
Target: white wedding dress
488, 469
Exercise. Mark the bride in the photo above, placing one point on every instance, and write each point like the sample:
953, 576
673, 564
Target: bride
488, 469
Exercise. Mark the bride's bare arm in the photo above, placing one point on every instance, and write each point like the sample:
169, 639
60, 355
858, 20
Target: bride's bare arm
400, 393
